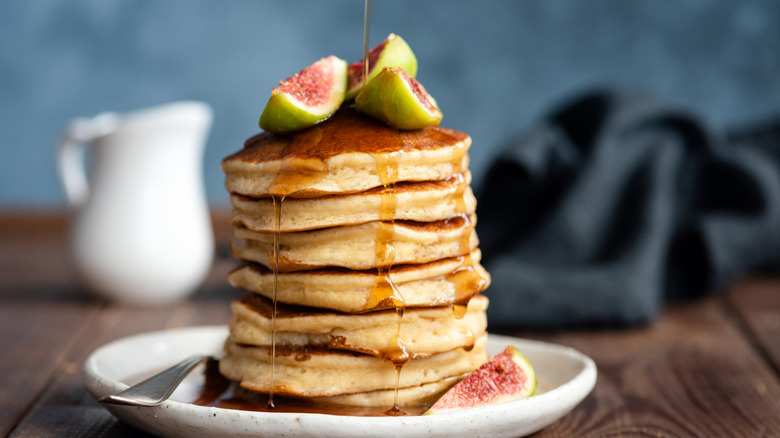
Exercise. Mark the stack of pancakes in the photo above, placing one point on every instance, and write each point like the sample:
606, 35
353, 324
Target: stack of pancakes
364, 237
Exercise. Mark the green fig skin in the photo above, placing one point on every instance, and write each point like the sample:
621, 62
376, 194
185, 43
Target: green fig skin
281, 116
399, 101
393, 52
286, 113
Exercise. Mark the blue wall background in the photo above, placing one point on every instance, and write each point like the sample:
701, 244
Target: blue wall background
494, 66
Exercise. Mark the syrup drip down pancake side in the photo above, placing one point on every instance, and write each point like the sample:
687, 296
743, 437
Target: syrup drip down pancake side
444, 282
340, 157
423, 331
354, 246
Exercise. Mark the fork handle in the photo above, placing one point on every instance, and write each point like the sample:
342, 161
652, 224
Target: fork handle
156, 389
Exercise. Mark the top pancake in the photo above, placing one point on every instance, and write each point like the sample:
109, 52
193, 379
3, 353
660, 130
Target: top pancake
347, 154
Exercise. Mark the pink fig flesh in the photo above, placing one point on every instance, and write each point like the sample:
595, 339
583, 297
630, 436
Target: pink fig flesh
508, 376
312, 85
307, 98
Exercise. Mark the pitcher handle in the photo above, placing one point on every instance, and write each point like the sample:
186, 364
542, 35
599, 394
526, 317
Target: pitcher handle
79, 133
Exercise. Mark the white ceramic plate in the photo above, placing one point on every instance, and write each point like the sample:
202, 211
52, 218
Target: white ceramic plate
565, 377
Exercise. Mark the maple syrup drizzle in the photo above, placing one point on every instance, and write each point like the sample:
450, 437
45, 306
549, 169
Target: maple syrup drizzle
385, 293
298, 172
459, 310
294, 175
472, 341
366, 22
465, 277
396, 411
277, 221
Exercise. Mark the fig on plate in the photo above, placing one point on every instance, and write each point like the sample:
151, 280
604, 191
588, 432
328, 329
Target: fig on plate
307, 98
508, 376
399, 100
392, 52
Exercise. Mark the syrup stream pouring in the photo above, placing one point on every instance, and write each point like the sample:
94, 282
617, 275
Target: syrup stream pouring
366, 20
156, 389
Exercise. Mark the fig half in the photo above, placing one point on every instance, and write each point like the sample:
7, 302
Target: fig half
392, 52
507, 377
307, 98
399, 100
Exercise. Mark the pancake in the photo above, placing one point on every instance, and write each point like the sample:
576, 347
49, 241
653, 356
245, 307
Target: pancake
427, 201
318, 372
421, 397
349, 153
440, 283
356, 246
420, 332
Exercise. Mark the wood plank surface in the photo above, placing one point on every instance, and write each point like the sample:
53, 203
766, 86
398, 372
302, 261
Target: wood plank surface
691, 373
67, 409
37, 334
33, 255
41, 315
757, 301
50, 324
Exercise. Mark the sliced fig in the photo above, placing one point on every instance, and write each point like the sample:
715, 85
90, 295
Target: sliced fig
392, 52
399, 100
508, 376
307, 98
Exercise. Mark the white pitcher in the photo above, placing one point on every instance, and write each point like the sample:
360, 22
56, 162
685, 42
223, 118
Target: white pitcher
141, 231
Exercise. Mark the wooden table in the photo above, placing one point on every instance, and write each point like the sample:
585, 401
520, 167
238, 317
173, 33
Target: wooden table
707, 368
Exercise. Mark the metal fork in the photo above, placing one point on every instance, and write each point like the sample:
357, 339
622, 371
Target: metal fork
156, 389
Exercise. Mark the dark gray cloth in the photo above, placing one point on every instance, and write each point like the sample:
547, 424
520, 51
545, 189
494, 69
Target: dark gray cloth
617, 203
